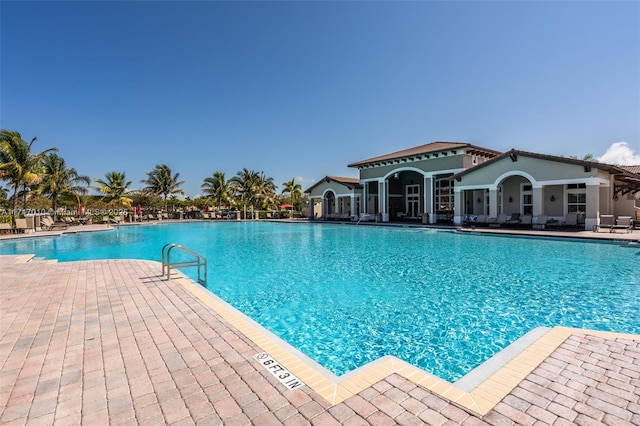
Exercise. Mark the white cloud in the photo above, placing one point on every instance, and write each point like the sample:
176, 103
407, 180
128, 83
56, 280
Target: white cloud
620, 153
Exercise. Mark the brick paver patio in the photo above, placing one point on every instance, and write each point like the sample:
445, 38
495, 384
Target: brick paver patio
111, 342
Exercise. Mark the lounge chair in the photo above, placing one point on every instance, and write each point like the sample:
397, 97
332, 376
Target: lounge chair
540, 221
571, 221
86, 220
526, 222
48, 224
21, 225
606, 222
500, 221
623, 222
514, 219
68, 220
5, 227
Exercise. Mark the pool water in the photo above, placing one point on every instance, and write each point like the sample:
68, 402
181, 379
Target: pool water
347, 295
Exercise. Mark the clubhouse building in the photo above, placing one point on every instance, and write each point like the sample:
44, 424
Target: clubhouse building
448, 182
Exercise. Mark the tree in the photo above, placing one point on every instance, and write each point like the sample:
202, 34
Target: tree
294, 189
266, 194
254, 189
18, 165
160, 181
586, 157
114, 188
59, 180
217, 188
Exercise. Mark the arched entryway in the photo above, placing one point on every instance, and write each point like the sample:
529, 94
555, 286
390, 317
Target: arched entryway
405, 195
329, 204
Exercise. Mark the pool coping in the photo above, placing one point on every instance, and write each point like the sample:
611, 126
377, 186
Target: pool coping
479, 391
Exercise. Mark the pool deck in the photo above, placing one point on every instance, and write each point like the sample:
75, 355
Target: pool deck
112, 341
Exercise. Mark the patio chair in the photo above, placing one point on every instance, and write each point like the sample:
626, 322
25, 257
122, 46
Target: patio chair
526, 221
606, 222
623, 222
500, 221
514, 219
86, 220
68, 220
575, 221
540, 221
48, 224
5, 227
21, 225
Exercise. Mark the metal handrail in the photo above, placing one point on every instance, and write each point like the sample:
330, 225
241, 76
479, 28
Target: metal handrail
198, 261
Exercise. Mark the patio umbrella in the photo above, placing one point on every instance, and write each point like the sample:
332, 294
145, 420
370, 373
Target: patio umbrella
206, 209
139, 210
79, 209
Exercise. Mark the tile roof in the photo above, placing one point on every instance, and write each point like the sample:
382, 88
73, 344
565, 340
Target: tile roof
349, 182
632, 169
426, 149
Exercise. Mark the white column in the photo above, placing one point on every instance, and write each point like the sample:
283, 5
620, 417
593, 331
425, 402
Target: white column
593, 207
493, 203
382, 200
538, 201
365, 198
457, 206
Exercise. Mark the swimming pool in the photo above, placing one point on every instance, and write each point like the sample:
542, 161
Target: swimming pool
347, 295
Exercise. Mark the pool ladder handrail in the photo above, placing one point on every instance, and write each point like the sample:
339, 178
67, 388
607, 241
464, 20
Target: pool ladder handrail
198, 261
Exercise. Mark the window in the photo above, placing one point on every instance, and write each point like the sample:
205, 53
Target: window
444, 195
527, 199
576, 198
413, 200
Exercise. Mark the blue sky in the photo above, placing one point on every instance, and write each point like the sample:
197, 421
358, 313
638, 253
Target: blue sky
301, 89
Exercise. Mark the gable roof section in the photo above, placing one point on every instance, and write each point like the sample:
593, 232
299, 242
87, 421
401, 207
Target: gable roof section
430, 148
349, 182
632, 169
629, 181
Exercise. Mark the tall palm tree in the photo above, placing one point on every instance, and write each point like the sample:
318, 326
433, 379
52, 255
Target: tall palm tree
59, 180
294, 189
160, 181
266, 191
18, 165
115, 188
244, 186
217, 188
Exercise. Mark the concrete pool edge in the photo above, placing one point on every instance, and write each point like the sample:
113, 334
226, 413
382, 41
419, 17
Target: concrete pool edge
479, 391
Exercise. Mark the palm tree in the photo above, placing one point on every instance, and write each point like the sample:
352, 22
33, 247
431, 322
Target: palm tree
217, 188
294, 189
17, 164
160, 181
266, 191
254, 189
58, 180
115, 188
244, 186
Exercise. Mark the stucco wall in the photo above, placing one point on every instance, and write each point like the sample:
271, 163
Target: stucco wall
338, 188
541, 170
434, 164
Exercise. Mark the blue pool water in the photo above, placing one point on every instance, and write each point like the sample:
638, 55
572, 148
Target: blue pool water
347, 295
